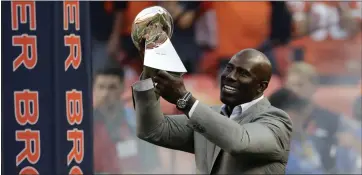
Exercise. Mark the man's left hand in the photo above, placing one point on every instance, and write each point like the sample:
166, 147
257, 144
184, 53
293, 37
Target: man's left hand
171, 88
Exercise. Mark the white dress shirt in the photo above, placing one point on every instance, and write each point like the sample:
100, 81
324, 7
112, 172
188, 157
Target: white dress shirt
236, 111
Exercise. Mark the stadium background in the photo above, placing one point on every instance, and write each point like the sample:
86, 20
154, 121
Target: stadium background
228, 27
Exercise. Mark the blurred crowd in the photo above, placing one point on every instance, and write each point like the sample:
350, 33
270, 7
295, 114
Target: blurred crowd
315, 49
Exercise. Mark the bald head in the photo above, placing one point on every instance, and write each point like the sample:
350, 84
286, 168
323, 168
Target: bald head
261, 65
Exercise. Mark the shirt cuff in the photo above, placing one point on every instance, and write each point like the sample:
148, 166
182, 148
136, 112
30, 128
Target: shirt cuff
193, 108
143, 85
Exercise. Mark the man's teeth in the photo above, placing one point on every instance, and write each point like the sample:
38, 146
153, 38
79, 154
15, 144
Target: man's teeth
229, 88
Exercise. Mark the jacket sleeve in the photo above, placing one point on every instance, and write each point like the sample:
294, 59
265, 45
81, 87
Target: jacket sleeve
152, 126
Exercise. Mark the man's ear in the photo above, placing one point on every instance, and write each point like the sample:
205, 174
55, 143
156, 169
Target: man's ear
262, 86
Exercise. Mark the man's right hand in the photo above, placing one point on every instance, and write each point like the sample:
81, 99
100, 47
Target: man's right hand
148, 72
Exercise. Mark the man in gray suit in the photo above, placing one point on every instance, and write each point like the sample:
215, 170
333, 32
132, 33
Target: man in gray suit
246, 135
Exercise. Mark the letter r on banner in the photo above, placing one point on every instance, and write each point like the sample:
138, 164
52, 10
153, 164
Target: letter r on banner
25, 42
32, 146
75, 51
77, 152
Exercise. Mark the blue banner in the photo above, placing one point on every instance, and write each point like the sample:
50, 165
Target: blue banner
46, 88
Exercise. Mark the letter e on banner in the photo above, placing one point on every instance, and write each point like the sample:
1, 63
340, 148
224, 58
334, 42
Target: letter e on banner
26, 101
24, 18
25, 42
71, 14
75, 51
77, 152
74, 107
30, 152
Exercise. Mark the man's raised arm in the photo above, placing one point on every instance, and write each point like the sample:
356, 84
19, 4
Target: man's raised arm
152, 126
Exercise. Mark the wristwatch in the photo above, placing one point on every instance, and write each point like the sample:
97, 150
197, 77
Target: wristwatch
182, 102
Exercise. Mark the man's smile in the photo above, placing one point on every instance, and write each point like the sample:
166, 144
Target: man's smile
229, 89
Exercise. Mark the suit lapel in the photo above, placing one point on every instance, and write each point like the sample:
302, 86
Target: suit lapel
245, 114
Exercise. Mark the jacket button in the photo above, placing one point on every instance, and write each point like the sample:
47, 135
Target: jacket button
201, 129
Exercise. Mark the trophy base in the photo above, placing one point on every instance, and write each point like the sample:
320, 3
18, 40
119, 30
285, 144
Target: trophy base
152, 72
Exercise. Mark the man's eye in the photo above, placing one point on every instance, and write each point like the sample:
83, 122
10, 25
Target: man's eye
101, 87
228, 67
243, 73
112, 87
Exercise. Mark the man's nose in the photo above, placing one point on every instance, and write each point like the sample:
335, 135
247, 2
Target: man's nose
232, 75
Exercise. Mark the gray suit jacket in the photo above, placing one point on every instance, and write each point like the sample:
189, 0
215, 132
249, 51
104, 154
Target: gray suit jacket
256, 142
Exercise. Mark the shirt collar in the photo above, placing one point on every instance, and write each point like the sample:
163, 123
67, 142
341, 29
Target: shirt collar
245, 106
241, 108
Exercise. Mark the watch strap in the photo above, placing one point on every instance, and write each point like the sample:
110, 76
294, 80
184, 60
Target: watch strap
187, 96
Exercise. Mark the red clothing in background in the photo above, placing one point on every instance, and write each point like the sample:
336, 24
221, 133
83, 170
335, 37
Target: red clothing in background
104, 150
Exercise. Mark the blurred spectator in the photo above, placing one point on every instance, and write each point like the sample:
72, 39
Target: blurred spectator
205, 27
184, 14
316, 123
116, 146
330, 33
303, 156
240, 25
349, 142
106, 23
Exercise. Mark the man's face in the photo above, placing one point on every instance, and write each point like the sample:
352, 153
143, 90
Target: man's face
107, 90
238, 82
300, 84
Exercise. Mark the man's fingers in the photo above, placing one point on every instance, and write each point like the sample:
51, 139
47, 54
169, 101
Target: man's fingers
159, 88
158, 79
163, 74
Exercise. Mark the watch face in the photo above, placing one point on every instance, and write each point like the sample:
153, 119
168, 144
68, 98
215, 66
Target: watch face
181, 104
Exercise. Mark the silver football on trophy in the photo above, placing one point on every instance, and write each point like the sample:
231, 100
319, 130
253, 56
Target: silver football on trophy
151, 27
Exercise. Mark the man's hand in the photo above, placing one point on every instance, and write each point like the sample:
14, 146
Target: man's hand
171, 88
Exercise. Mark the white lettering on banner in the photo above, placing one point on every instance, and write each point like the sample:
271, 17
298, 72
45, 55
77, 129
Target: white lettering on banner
26, 102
